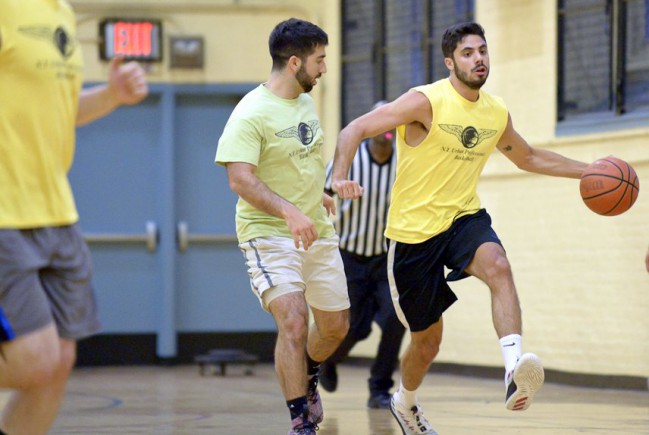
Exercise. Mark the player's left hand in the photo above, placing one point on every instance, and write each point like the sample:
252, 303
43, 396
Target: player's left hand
329, 204
127, 81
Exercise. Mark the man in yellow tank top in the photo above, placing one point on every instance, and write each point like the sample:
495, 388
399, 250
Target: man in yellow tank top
446, 131
47, 301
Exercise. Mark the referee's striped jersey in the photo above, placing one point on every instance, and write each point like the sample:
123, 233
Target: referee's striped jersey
360, 223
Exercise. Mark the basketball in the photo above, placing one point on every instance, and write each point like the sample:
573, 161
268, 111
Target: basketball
609, 186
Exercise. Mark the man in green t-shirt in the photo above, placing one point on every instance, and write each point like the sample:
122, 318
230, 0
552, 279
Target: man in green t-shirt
271, 148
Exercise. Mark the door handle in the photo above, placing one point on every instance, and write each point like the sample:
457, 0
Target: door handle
181, 236
184, 237
149, 238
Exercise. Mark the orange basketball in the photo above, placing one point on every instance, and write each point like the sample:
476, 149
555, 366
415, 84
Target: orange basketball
609, 186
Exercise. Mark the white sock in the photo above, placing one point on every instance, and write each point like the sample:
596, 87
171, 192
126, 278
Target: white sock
511, 348
405, 397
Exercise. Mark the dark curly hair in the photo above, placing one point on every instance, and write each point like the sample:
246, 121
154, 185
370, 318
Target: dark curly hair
455, 34
294, 37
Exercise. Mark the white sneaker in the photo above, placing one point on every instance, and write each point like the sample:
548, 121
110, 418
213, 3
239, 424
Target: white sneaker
523, 382
412, 421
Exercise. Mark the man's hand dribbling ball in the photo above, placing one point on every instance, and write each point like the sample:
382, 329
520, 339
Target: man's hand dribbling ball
609, 186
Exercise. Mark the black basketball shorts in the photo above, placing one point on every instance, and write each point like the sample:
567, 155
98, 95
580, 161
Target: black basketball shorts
420, 291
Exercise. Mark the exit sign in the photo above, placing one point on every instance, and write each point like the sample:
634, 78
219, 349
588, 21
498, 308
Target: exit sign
131, 39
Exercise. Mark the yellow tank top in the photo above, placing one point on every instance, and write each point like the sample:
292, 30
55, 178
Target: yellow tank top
41, 70
436, 181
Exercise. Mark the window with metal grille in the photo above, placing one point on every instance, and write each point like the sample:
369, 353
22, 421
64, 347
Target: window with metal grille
390, 46
603, 58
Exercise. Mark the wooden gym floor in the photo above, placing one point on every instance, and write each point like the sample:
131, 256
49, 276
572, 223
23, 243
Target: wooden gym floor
177, 400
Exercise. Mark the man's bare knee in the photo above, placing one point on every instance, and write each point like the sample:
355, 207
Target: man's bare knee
426, 344
294, 329
497, 270
32, 360
291, 316
335, 326
427, 350
340, 326
68, 357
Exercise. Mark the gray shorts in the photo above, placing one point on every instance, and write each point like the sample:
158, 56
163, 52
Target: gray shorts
44, 278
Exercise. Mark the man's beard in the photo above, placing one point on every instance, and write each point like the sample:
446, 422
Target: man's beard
464, 78
305, 80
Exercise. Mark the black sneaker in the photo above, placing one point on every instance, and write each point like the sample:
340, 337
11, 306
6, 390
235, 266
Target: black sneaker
316, 413
328, 376
379, 401
301, 426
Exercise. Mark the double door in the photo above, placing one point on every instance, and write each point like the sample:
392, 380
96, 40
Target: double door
159, 218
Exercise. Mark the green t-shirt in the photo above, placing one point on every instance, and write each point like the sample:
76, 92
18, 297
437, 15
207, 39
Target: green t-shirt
283, 139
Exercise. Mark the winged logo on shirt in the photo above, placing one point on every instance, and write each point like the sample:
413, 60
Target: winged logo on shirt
304, 132
469, 137
61, 39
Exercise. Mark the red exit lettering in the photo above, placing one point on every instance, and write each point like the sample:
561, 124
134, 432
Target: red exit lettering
132, 39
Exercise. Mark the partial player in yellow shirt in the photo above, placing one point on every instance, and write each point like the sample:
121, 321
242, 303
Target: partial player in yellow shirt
47, 302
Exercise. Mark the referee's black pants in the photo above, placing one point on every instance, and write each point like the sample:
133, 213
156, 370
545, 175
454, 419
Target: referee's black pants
370, 300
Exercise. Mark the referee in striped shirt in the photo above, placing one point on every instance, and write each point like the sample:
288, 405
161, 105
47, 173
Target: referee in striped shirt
360, 225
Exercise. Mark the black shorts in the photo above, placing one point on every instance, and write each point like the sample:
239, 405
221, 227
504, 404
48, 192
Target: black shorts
416, 271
